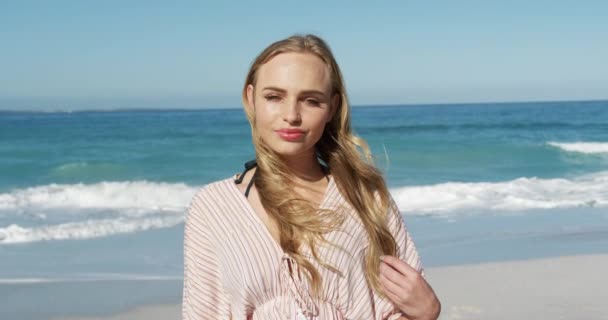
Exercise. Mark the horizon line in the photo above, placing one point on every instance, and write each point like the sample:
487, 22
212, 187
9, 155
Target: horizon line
148, 109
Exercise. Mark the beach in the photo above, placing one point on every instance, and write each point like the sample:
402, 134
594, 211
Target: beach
483, 123
506, 203
569, 287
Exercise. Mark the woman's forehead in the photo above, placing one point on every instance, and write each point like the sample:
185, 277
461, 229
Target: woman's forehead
294, 71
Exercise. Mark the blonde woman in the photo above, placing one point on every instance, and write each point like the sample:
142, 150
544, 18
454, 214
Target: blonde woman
309, 229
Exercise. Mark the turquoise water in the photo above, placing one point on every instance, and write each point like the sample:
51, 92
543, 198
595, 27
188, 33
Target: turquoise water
99, 197
425, 144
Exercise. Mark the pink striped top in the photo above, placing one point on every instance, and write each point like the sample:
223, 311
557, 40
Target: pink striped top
235, 269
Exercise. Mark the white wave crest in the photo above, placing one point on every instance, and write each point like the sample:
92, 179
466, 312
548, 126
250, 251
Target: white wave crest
25, 280
93, 277
108, 208
80, 211
519, 194
138, 196
84, 230
582, 147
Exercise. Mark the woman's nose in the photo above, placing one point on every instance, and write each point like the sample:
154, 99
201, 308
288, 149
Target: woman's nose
292, 112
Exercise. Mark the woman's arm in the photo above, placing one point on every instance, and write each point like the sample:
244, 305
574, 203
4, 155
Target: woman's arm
402, 276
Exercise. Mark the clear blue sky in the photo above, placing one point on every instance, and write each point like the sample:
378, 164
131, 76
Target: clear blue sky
194, 54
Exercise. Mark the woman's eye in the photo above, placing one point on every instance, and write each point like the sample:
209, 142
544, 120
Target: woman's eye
312, 102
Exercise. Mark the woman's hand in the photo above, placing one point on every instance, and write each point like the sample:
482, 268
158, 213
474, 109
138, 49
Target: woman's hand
408, 290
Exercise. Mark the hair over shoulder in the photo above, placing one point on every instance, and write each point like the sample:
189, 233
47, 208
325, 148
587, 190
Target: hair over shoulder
350, 161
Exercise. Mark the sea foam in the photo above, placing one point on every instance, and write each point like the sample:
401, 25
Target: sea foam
582, 147
524, 193
84, 230
79, 211
141, 195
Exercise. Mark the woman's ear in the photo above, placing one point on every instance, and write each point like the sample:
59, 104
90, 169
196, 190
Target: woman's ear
250, 97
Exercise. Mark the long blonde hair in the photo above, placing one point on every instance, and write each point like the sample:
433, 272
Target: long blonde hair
354, 173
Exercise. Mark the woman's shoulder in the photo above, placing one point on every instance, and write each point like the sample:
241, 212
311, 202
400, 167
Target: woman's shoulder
217, 190
211, 202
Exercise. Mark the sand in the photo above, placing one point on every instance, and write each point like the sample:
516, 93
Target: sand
571, 287
153, 312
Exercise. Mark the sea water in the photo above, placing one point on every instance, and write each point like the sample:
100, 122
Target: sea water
92, 203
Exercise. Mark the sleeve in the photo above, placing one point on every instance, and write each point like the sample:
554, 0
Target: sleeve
405, 244
203, 296
406, 248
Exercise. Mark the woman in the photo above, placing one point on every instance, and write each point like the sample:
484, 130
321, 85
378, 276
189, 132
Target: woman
309, 230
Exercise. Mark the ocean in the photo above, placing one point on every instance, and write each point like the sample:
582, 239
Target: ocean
92, 203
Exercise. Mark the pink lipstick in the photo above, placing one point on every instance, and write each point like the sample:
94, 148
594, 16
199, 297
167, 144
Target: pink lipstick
290, 134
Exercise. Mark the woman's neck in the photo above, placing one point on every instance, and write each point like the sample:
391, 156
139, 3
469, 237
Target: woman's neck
304, 169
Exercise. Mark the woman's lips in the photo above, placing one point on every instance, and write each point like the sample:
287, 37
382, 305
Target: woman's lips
290, 135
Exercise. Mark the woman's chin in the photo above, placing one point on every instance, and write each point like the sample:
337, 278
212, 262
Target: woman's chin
293, 150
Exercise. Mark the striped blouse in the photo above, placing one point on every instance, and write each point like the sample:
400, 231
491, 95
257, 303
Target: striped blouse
235, 269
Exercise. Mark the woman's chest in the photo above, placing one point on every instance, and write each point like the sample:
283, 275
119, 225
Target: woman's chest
256, 269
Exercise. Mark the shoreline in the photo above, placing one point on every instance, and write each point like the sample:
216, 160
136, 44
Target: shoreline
565, 287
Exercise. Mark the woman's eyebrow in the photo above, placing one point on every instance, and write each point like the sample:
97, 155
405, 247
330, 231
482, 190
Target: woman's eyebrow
301, 92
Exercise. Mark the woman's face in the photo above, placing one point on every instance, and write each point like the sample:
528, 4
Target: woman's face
292, 102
